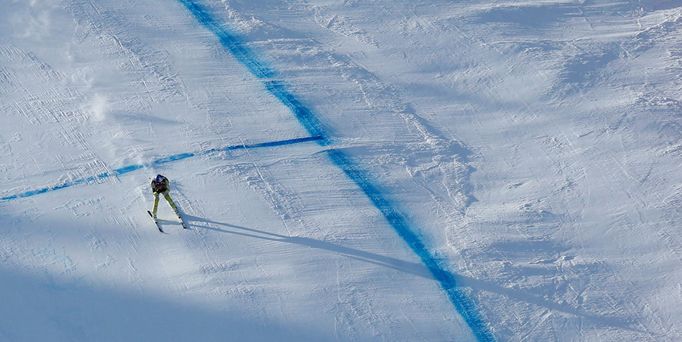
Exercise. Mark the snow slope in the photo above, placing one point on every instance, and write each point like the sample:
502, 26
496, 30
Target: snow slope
342, 165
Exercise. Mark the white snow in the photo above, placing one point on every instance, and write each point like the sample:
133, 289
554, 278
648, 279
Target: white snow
533, 147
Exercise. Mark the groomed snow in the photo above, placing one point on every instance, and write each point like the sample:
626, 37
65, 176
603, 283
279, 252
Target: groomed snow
530, 151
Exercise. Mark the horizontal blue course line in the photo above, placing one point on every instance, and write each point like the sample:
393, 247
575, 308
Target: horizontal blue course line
276, 143
242, 53
125, 169
157, 162
175, 157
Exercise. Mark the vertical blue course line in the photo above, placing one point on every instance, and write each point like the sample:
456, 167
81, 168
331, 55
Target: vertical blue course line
304, 115
244, 55
464, 305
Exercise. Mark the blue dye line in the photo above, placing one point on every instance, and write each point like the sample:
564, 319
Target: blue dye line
274, 143
304, 115
157, 162
173, 158
229, 41
242, 53
464, 305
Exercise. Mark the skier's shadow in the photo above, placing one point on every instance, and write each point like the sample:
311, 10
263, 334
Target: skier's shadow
373, 258
412, 268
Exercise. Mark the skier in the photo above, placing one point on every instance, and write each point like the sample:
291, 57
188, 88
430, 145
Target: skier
161, 185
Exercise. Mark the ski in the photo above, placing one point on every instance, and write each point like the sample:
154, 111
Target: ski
155, 221
182, 220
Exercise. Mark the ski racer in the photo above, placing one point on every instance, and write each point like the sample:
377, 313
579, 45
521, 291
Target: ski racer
161, 185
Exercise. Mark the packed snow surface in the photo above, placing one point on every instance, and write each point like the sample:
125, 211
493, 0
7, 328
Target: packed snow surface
349, 170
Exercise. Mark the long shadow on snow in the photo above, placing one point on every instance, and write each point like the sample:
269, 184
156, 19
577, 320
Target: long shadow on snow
381, 260
412, 268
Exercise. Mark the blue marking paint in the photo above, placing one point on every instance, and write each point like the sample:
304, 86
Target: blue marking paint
126, 169
175, 157
62, 186
165, 160
235, 46
464, 305
276, 143
245, 56
304, 115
